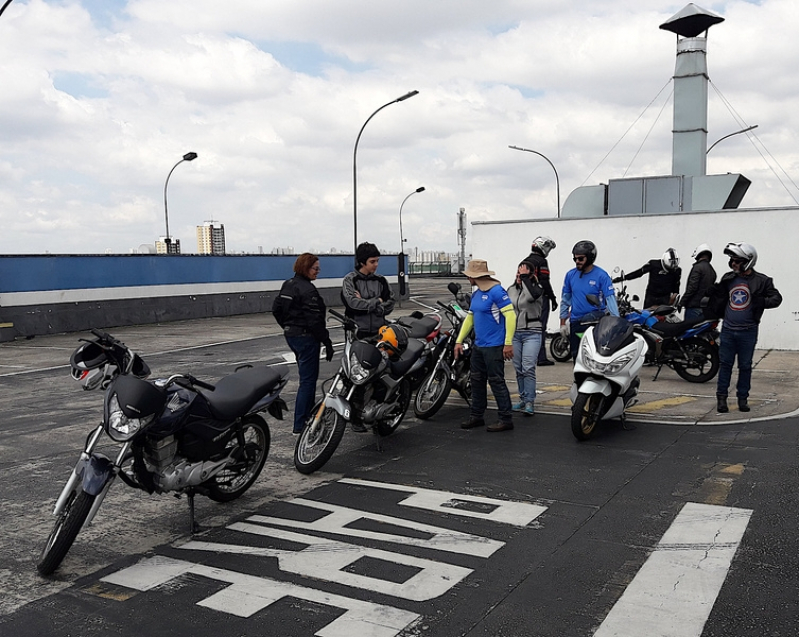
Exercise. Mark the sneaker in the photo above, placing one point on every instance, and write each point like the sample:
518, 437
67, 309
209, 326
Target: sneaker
529, 409
545, 362
518, 406
500, 426
472, 423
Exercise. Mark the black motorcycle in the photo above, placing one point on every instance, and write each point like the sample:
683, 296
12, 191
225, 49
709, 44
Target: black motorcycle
447, 373
179, 435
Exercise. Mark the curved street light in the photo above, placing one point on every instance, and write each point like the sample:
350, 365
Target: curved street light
402, 240
354, 167
167, 239
3, 8
557, 179
738, 132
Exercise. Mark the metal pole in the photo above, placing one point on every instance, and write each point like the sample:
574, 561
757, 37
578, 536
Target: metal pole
402, 240
187, 157
355, 171
738, 132
557, 178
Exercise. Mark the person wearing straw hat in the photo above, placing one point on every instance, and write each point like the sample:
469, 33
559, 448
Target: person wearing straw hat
492, 316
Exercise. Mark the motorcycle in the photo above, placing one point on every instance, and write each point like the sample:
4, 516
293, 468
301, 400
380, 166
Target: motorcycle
178, 435
689, 347
559, 347
371, 388
606, 369
447, 372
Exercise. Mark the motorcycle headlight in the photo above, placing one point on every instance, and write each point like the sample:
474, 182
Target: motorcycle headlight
120, 427
608, 369
357, 373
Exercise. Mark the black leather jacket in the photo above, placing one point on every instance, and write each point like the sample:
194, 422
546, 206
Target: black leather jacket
761, 287
299, 309
700, 279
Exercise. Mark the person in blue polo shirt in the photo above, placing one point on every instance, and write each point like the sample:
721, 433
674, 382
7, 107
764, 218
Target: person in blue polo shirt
494, 320
584, 279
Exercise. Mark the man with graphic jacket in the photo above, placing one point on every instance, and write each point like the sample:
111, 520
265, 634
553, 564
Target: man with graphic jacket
366, 295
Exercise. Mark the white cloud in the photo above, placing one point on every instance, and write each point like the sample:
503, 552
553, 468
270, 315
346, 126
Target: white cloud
97, 108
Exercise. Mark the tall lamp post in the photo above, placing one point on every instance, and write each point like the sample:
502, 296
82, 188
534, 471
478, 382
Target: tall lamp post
355, 171
738, 132
401, 257
167, 239
557, 179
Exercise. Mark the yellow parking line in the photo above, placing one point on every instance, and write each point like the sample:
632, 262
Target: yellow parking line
654, 405
562, 402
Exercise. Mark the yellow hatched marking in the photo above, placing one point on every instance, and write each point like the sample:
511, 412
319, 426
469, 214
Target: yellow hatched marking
654, 405
562, 402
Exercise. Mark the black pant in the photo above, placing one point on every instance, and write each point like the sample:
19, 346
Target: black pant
542, 353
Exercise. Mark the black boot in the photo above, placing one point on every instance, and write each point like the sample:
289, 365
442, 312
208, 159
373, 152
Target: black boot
721, 404
743, 405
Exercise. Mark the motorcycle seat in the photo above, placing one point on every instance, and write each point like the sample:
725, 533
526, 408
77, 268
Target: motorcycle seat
409, 357
419, 327
235, 394
670, 330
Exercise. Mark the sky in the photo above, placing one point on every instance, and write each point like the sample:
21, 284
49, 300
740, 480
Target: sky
101, 98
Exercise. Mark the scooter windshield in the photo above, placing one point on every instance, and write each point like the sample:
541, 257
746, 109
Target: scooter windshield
611, 334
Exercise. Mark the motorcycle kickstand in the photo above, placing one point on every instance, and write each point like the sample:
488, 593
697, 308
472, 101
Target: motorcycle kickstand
625, 424
195, 528
378, 439
657, 373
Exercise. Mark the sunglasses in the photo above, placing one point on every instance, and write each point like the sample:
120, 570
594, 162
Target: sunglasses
737, 260
576, 259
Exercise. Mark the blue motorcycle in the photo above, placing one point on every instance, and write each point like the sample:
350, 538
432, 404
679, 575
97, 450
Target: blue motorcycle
690, 348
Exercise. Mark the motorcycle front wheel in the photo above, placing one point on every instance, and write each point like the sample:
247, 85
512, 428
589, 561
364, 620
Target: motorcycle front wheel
253, 447
432, 394
67, 526
586, 415
560, 348
316, 446
389, 425
702, 361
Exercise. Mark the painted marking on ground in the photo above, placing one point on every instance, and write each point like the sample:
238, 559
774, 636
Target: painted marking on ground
654, 405
673, 593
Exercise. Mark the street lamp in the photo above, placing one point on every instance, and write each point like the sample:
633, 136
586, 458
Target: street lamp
401, 257
557, 179
354, 167
167, 239
402, 241
738, 132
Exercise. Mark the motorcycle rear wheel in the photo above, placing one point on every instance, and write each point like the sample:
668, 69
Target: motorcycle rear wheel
389, 425
585, 415
704, 361
432, 394
232, 482
560, 348
313, 450
67, 526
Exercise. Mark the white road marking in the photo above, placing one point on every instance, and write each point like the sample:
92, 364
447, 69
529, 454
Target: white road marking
673, 593
500, 511
248, 594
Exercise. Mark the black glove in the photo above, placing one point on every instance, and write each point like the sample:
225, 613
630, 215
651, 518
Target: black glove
554, 305
328, 350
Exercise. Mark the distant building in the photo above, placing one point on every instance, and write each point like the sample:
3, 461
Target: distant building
211, 238
173, 246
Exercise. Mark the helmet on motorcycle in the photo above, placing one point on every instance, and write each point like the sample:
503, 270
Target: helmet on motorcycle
89, 362
586, 248
93, 378
670, 260
394, 337
701, 249
744, 251
544, 245
364, 252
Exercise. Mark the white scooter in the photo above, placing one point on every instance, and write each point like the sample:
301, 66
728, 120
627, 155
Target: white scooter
605, 373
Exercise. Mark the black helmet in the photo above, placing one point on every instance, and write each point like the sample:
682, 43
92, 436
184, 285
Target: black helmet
587, 248
364, 252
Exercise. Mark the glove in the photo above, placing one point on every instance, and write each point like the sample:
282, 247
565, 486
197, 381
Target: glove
554, 305
564, 330
328, 350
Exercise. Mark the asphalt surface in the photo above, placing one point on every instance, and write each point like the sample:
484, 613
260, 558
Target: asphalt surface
421, 546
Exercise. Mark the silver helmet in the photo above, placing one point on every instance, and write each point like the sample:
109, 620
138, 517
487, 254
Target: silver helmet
670, 260
701, 249
544, 245
744, 251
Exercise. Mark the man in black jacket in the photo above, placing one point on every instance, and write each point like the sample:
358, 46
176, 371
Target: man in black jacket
700, 279
740, 298
539, 251
663, 285
366, 295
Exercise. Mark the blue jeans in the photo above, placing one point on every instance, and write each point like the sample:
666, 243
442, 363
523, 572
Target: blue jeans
740, 343
526, 346
306, 350
693, 312
488, 368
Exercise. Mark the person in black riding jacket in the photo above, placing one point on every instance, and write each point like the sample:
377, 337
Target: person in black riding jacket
740, 299
300, 310
700, 279
539, 251
663, 285
366, 295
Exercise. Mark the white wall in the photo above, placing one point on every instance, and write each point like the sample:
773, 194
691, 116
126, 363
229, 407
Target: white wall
629, 242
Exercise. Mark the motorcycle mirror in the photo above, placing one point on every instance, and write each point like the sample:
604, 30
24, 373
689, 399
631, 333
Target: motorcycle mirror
593, 299
635, 297
454, 287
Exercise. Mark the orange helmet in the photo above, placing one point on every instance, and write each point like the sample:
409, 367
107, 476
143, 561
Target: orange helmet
394, 337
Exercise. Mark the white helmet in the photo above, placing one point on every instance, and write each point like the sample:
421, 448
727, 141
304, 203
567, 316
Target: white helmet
744, 251
544, 245
670, 260
701, 249
95, 377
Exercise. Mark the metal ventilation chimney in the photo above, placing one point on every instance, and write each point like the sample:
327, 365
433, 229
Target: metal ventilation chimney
689, 142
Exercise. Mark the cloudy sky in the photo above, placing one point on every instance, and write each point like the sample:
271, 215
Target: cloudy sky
100, 98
